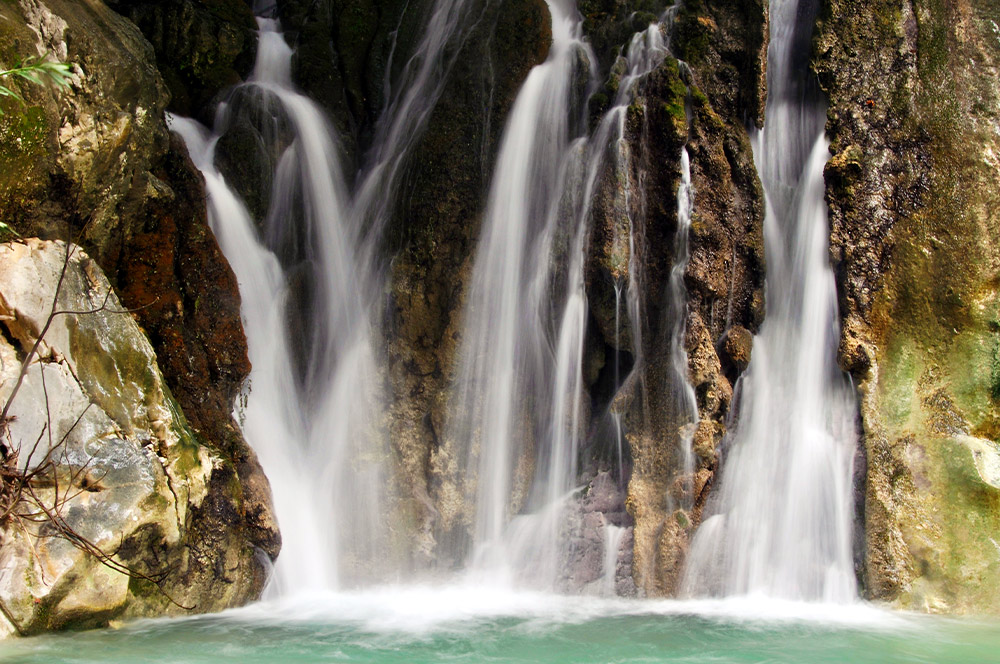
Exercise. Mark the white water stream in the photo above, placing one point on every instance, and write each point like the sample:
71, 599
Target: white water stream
781, 523
520, 377
307, 438
685, 407
520, 392
318, 430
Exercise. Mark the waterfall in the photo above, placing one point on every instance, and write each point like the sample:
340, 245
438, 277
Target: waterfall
685, 411
519, 380
781, 518
308, 433
311, 286
520, 388
613, 536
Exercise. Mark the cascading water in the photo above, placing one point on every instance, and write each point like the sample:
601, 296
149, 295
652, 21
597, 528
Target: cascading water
308, 433
518, 401
781, 523
685, 406
520, 388
407, 111
508, 350
312, 411
613, 536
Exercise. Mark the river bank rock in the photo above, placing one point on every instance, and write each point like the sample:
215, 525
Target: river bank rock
118, 464
95, 164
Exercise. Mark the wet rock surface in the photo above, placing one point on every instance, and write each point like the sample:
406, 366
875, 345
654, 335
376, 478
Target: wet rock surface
120, 473
703, 107
201, 46
432, 238
913, 119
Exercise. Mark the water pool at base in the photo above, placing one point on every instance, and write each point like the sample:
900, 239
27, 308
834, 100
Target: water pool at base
477, 625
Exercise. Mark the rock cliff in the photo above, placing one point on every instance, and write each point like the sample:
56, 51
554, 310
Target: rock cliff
97, 166
912, 188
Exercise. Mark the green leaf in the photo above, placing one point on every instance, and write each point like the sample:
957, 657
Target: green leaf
29, 75
38, 70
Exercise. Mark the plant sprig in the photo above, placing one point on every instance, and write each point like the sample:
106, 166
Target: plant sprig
37, 70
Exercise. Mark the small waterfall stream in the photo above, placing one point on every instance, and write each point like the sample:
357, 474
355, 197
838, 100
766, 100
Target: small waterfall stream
685, 411
313, 410
328, 414
520, 389
781, 523
525, 322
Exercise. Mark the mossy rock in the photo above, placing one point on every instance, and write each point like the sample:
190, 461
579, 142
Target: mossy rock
914, 221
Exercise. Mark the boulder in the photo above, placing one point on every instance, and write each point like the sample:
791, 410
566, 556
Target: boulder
105, 525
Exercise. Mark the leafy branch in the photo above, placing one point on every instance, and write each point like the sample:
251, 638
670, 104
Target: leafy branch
37, 70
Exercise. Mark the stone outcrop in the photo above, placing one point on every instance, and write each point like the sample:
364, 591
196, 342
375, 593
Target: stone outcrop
95, 164
702, 106
118, 471
201, 46
912, 187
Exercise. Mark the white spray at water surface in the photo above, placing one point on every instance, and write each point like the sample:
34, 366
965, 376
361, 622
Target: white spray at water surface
781, 523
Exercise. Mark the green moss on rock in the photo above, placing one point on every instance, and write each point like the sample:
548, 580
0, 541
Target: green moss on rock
914, 227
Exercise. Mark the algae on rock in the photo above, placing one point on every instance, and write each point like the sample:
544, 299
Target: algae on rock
914, 117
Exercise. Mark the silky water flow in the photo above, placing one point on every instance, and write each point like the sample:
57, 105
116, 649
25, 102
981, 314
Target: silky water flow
312, 409
524, 327
780, 522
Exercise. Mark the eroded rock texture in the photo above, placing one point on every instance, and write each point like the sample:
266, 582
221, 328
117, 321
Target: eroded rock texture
120, 473
701, 106
97, 165
912, 185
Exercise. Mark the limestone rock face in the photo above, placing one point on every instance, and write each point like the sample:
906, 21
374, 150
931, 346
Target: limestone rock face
701, 107
95, 164
118, 463
912, 184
